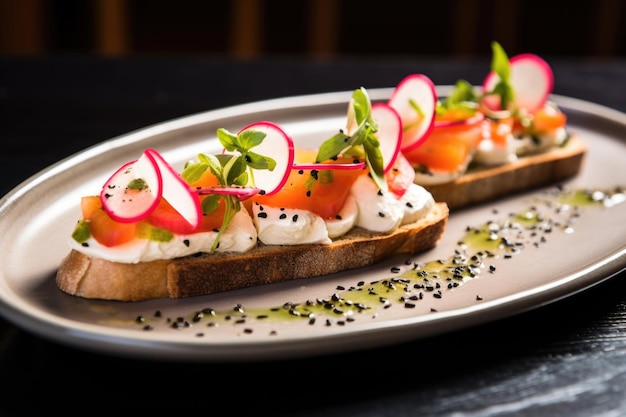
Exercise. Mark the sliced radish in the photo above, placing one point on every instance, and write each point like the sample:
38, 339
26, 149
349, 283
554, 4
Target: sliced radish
532, 80
418, 89
277, 145
133, 191
389, 132
320, 166
242, 193
126, 203
400, 178
176, 191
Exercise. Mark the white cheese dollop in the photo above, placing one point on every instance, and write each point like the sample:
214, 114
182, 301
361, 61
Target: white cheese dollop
417, 202
240, 236
378, 211
365, 207
527, 144
284, 226
491, 154
345, 220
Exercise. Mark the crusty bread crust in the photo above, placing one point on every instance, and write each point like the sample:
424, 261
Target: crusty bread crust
479, 185
203, 274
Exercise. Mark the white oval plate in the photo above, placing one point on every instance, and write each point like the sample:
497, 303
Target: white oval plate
37, 217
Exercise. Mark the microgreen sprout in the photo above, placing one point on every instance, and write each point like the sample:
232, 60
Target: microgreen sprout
231, 169
501, 66
361, 142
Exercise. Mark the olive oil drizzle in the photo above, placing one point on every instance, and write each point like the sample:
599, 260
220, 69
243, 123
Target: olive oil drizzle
409, 284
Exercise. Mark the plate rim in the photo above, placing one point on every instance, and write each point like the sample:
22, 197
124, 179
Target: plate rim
61, 330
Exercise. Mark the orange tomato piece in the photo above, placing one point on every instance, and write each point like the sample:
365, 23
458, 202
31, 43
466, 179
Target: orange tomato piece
109, 232
548, 119
499, 130
166, 217
448, 146
89, 204
322, 192
206, 180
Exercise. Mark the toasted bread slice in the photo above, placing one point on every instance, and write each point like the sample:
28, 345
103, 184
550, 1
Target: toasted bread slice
483, 184
203, 274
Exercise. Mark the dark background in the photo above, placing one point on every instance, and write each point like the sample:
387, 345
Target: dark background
319, 29
74, 73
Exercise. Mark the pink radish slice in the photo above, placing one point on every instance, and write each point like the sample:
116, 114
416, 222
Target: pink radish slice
532, 80
161, 181
242, 193
421, 90
176, 191
130, 205
389, 132
277, 145
320, 166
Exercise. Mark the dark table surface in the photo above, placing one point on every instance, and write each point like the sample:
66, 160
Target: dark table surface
566, 358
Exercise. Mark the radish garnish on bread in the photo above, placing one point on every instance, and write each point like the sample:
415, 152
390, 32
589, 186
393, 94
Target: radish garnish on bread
267, 213
482, 143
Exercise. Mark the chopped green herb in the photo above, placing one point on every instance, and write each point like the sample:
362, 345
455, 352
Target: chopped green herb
137, 184
81, 232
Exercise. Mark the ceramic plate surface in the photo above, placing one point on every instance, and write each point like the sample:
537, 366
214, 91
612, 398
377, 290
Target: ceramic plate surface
575, 248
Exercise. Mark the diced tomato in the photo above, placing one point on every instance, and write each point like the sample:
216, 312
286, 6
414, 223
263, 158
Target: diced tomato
89, 204
323, 192
109, 232
449, 144
547, 119
499, 130
166, 217
400, 176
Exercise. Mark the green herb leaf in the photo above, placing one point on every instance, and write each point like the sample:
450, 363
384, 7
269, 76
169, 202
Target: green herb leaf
462, 97
193, 172
332, 147
137, 184
210, 203
363, 136
235, 169
227, 139
156, 234
501, 66
81, 232
249, 139
257, 161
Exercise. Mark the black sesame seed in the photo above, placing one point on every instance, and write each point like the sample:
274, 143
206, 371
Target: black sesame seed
262, 215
